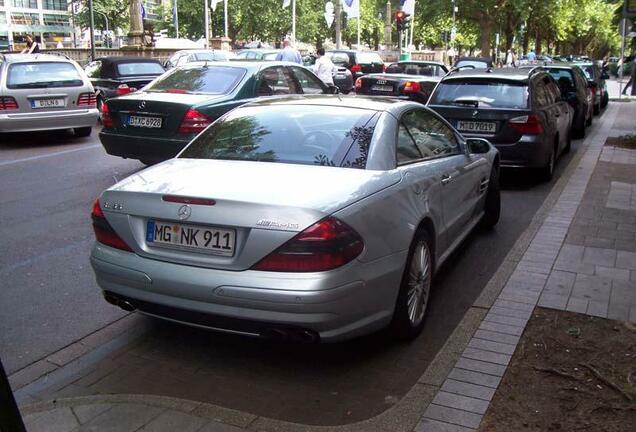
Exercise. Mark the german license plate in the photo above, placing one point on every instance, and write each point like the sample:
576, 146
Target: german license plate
216, 241
48, 103
479, 127
145, 122
382, 88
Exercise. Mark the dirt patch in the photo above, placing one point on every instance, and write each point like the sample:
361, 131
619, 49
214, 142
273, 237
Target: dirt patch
570, 372
625, 141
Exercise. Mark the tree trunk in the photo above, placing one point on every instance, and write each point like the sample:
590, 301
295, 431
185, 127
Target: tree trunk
487, 25
537, 43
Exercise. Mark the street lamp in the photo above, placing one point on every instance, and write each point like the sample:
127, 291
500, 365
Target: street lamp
92, 28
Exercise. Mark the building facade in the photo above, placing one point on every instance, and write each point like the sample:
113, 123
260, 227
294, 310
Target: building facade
48, 20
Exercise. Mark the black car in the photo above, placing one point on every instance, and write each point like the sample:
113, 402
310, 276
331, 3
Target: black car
414, 79
576, 90
117, 76
342, 77
155, 123
357, 62
520, 111
596, 80
473, 62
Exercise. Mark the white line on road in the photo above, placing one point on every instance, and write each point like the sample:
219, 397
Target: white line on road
15, 161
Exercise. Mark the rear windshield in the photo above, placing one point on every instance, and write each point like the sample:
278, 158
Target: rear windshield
481, 93
214, 56
43, 75
415, 69
368, 58
201, 80
475, 63
295, 134
142, 68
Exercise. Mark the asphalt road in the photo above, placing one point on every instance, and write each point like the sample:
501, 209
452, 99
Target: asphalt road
49, 299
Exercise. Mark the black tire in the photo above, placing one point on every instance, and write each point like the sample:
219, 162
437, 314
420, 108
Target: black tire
402, 326
82, 132
492, 203
597, 108
578, 131
605, 100
547, 172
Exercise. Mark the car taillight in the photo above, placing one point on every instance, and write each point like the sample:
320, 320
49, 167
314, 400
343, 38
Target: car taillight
358, 83
412, 87
124, 89
356, 68
8, 103
194, 122
107, 120
325, 245
104, 233
383, 68
87, 99
527, 125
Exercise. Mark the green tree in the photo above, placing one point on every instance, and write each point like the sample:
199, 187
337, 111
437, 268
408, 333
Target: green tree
115, 10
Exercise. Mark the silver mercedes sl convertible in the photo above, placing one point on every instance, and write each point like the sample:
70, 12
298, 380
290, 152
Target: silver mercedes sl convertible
306, 218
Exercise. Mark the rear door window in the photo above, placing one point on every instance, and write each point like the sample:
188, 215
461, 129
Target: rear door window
432, 137
141, 68
276, 81
201, 80
43, 75
309, 83
481, 92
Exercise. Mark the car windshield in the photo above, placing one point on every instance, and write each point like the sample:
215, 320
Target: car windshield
422, 69
368, 58
213, 56
481, 93
293, 134
141, 68
43, 75
198, 80
475, 63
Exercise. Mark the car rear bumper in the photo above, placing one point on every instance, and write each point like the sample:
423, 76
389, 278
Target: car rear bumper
51, 120
336, 305
531, 151
137, 147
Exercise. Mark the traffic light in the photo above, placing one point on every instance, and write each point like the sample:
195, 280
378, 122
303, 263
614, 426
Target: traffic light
402, 20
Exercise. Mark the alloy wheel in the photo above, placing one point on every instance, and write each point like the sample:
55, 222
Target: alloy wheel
419, 283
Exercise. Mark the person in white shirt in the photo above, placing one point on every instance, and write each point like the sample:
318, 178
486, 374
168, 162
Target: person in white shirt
324, 67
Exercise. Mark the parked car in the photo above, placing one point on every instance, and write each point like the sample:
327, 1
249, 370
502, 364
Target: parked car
575, 89
117, 76
342, 77
188, 56
257, 54
520, 111
357, 62
414, 79
596, 80
272, 222
45, 92
475, 62
156, 122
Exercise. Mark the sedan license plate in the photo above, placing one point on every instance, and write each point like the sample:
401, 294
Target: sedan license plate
48, 103
216, 241
479, 127
382, 88
145, 122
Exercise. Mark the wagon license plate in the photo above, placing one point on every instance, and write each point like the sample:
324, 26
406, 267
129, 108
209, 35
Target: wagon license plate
48, 103
216, 241
479, 127
145, 122
382, 88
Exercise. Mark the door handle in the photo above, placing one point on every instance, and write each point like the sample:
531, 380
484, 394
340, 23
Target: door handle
446, 178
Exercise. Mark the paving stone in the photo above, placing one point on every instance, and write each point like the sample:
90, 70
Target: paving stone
487, 345
171, 420
496, 337
592, 288
430, 425
466, 403
597, 308
612, 273
502, 319
515, 313
513, 305
56, 420
472, 377
87, 413
626, 245
633, 276
632, 314
122, 418
577, 305
68, 354
618, 311
530, 299
222, 427
453, 415
501, 328
480, 366
553, 301
487, 356
467, 389
599, 256
626, 260
30, 373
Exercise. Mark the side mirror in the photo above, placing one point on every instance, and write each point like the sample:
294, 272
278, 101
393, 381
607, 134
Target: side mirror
332, 89
478, 145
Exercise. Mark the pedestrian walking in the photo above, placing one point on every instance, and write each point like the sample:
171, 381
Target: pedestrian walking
532, 56
289, 53
511, 60
324, 67
32, 47
630, 83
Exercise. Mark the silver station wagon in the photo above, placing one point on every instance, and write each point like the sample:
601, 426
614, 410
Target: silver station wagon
45, 92
310, 218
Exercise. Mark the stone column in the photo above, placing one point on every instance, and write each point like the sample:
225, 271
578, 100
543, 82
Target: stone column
387, 27
136, 33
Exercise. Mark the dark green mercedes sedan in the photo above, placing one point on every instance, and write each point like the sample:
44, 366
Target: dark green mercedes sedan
156, 122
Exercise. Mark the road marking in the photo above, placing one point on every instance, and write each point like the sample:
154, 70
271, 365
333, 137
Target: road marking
44, 156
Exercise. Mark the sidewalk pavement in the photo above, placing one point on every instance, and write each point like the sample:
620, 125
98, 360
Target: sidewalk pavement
581, 259
614, 89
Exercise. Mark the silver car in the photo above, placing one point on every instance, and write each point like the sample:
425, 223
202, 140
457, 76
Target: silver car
45, 92
310, 218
